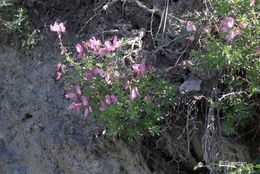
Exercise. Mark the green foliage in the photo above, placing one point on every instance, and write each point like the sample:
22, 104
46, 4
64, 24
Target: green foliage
237, 63
14, 23
13, 16
141, 115
245, 169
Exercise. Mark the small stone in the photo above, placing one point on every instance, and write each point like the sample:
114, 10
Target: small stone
191, 85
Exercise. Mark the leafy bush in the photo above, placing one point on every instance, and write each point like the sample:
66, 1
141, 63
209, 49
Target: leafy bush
13, 17
231, 49
14, 23
128, 99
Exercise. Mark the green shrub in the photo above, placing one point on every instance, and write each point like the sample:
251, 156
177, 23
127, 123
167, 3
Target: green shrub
127, 99
231, 50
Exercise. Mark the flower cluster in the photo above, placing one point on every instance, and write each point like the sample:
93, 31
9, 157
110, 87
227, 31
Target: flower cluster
122, 97
93, 45
109, 99
139, 69
232, 27
59, 68
58, 28
79, 101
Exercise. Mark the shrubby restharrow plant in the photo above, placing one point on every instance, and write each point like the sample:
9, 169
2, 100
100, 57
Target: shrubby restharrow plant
126, 99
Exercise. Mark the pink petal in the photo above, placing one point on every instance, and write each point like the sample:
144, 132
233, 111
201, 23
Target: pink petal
230, 22
84, 100
59, 28
139, 68
108, 46
232, 34
62, 27
227, 23
103, 106
54, 27
96, 70
127, 84
103, 52
77, 88
75, 106
88, 74
116, 43
70, 95
113, 98
134, 93
190, 27
242, 25
108, 99
79, 48
58, 75
93, 44
58, 67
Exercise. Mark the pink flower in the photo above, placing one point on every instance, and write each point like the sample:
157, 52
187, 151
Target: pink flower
103, 52
84, 100
242, 25
251, 3
151, 68
93, 44
79, 48
102, 106
134, 93
108, 99
70, 95
227, 23
75, 106
108, 46
88, 74
96, 70
58, 75
139, 68
127, 84
116, 43
58, 27
231, 35
190, 27
113, 98
58, 67
77, 88
86, 113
